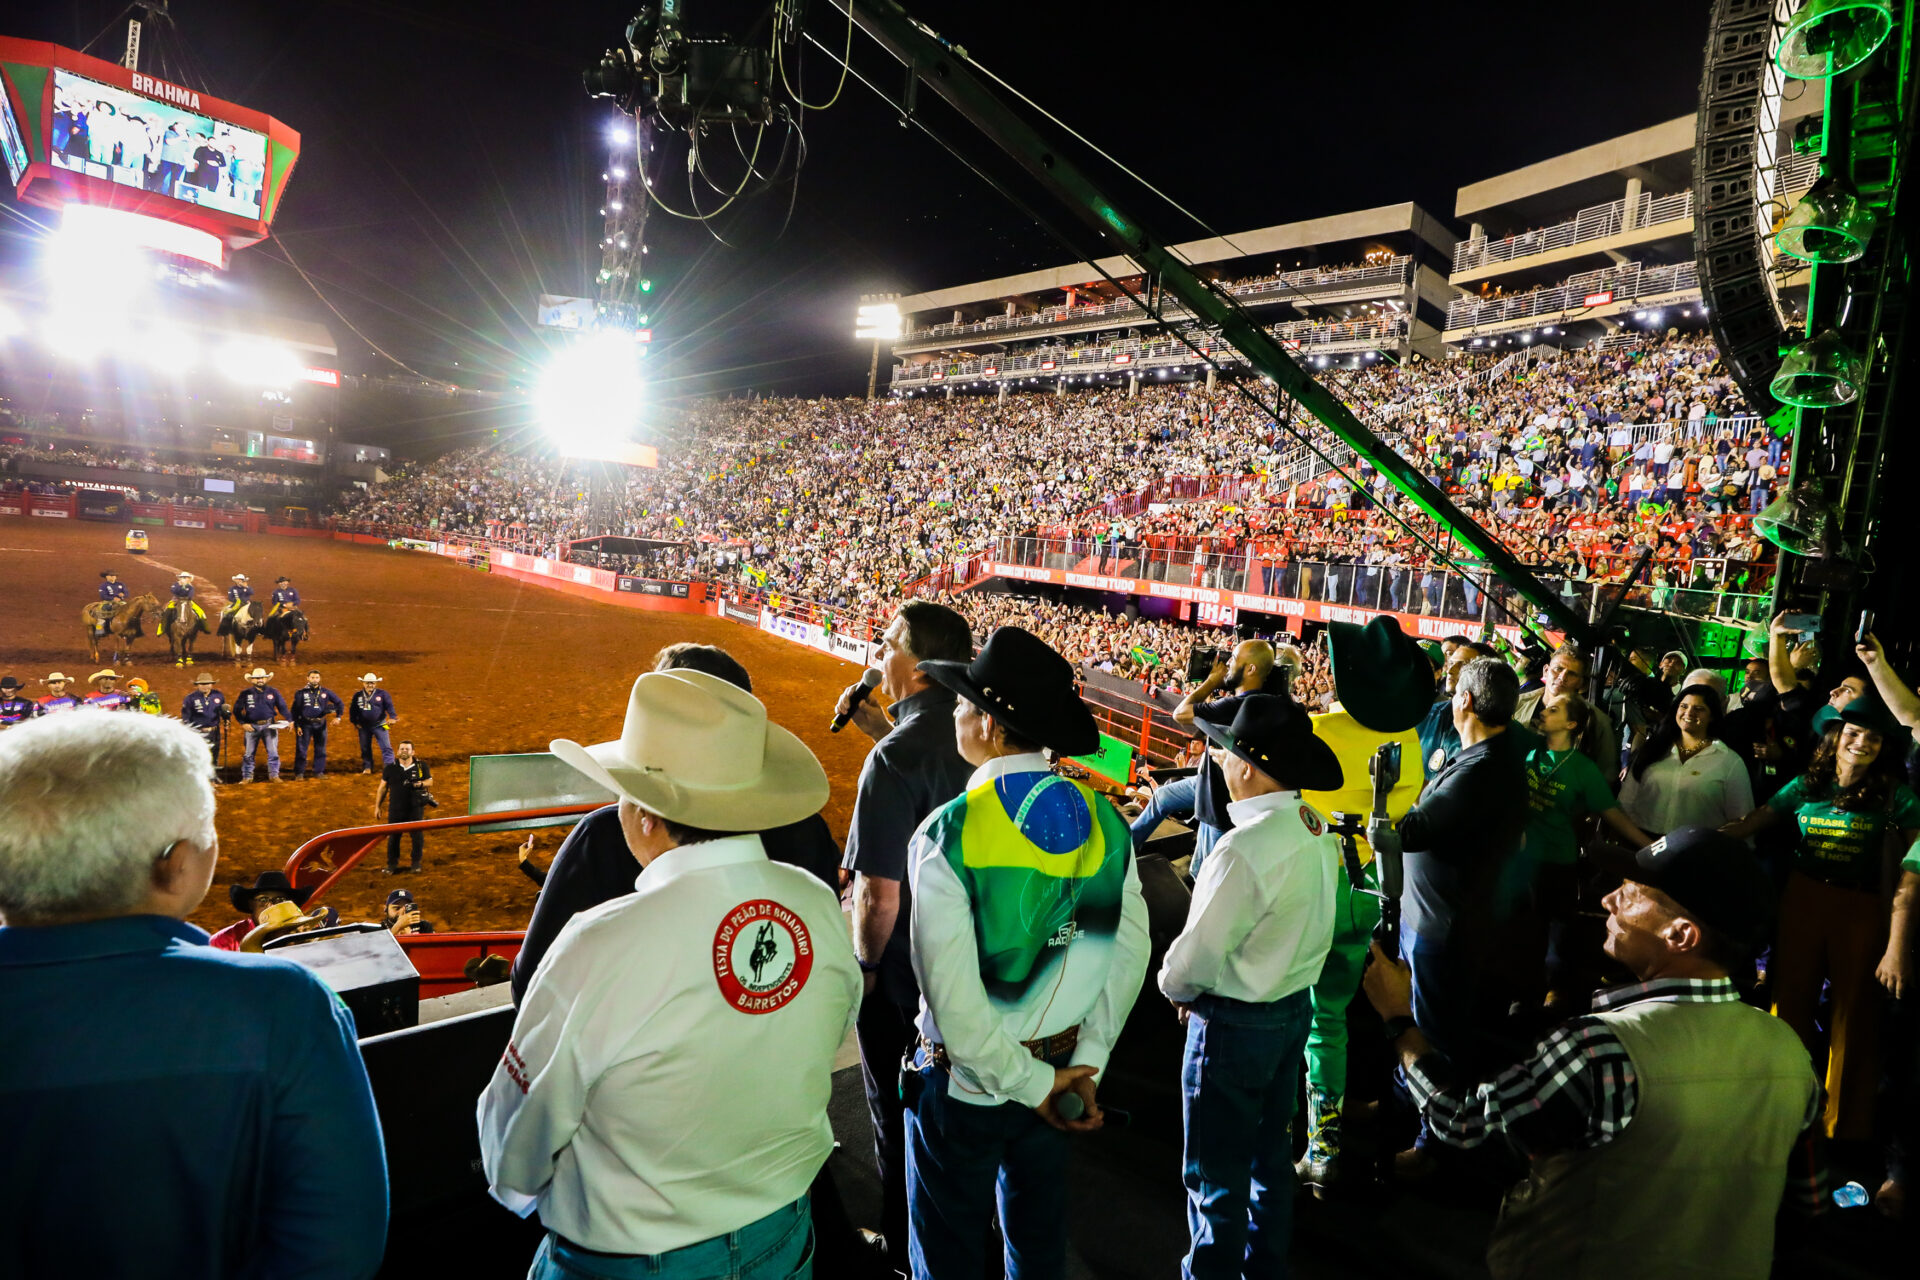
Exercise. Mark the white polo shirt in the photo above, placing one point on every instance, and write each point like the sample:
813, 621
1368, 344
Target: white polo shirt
668, 1075
1261, 922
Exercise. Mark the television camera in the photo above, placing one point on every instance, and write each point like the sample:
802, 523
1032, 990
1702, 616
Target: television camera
685, 80
1384, 768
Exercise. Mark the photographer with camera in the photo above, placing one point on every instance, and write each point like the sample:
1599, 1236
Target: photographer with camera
404, 790
1246, 672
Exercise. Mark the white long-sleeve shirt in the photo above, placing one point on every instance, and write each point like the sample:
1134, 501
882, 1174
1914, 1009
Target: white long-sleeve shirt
668, 1075
1090, 981
1261, 922
1710, 790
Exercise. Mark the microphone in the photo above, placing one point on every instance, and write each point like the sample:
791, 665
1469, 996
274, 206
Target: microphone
1068, 1106
857, 694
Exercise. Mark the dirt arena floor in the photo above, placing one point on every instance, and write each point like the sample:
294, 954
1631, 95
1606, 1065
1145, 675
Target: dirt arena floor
476, 665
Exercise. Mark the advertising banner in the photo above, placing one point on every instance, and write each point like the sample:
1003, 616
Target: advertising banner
100, 504
847, 647
51, 513
655, 587
807, 633
189, 524
9, 507
749, 616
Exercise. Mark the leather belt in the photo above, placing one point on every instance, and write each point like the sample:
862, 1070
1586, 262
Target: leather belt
1044, 1048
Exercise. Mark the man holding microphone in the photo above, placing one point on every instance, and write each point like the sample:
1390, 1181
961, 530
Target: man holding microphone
913, 769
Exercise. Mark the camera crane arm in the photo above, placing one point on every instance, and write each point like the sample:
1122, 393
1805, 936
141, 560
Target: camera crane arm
941, 66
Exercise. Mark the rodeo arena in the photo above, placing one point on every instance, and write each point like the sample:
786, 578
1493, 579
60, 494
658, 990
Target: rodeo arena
1377, 745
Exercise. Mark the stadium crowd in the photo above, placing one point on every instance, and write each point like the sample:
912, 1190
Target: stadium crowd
1632, 1077
146, 461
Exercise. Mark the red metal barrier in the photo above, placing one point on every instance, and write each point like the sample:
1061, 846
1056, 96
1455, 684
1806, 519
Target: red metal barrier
441, 958
357, 842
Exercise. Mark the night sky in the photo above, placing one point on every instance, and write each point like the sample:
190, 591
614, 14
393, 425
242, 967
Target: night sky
450, 158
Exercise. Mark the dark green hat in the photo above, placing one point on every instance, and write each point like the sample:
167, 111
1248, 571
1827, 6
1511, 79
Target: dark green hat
1381, 675
1872, 714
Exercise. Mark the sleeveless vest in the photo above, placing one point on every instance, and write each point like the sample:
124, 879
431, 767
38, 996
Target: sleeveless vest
1690, 1189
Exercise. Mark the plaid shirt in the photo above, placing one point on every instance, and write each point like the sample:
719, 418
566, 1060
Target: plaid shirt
1578, 1090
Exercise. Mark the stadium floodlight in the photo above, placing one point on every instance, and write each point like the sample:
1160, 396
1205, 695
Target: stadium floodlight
878, 322
167, 350
252, 363
1831, 37
10, 325
1820, 373
92, 232
589, 395
1829, 224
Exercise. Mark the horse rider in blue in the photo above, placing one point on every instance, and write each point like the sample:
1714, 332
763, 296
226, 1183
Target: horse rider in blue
284, 596
182, 590
313, 702
113, 594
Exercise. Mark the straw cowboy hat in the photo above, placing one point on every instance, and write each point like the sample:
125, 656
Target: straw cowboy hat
699, 751
98, 676
57, 677
369, 678
278, 920
259, 673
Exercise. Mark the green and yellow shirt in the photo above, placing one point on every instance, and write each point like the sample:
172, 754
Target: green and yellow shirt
1562, 787
1843, 847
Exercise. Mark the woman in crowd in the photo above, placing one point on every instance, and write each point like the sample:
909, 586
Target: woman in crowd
1834, 916
1564, 788
1683, 775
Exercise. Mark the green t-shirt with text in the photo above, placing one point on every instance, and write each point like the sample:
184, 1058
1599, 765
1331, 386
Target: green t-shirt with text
1562, 787
1841, 847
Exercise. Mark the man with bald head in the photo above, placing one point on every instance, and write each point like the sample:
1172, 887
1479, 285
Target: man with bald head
1248, 671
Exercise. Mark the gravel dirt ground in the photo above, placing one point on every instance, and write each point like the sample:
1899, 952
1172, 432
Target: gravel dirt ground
476, 665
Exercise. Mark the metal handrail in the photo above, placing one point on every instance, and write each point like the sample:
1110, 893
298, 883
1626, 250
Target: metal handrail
1626, 282
1596, 222
370, 837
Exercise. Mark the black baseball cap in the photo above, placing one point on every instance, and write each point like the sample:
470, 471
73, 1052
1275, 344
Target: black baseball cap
1714, 878
400, 895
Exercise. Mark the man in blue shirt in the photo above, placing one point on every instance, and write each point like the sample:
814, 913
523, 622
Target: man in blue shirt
311, 707
182, 597
203, 710
284, 596
15, 709
372, 711
185, 1111
260, 709
113, 593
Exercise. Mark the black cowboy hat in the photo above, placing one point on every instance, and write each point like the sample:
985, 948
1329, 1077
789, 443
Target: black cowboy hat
1274, 734
241, 895
1381, 675
8, 684
1021, 682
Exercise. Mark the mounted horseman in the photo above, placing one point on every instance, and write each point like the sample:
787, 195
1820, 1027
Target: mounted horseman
124, 622
286, 623
183, 621
240, 622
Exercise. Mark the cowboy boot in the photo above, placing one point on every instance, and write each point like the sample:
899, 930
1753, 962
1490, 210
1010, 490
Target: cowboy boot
1319, 1167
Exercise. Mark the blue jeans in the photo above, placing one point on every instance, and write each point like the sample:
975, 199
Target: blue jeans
1237, 1086
370, 734
314, 736
1446, 981
1174, 800
960, 1159
777, 1247
1205, 837
254, 735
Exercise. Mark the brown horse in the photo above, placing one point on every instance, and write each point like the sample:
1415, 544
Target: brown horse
128, 623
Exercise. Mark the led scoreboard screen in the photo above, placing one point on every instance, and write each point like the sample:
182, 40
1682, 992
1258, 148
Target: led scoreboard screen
110, 133
200, 176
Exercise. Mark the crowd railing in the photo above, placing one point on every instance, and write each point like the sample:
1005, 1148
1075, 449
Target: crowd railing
1597, 222
1629, 282
1317, 281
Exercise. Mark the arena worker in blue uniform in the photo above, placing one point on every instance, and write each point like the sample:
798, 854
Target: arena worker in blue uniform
113, 592
15, 709
285, 596
259, 708
1029, 938
371, 712
203, 710
313, 702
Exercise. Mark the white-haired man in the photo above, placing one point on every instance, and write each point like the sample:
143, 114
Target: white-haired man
216, 1101
751, 988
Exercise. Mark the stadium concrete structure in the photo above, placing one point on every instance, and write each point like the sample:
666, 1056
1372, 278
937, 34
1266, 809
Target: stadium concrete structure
1561, 252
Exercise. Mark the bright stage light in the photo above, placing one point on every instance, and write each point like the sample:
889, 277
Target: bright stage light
259, 364
10, 325
878, 321
91, 230
590, 393
168, 351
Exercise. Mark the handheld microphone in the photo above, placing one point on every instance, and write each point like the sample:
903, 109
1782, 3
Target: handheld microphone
856, 695
1069, 1106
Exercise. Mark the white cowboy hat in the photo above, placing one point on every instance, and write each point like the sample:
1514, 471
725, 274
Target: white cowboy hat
369, 678
699, 751
183, 574
98, 676
241, 577
259, 673
57, 677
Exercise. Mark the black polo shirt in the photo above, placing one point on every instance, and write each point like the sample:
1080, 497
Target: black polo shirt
909, 773
1210, 797
594, 865
1469, 822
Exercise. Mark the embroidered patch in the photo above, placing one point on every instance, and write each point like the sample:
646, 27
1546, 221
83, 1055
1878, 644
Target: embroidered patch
762, 955
1312, 819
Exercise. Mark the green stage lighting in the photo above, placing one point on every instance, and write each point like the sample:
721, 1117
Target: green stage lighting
1819, 373
1799, 520
1828, 37
1829, 224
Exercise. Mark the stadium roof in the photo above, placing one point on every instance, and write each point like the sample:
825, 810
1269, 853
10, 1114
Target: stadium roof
1386, 220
